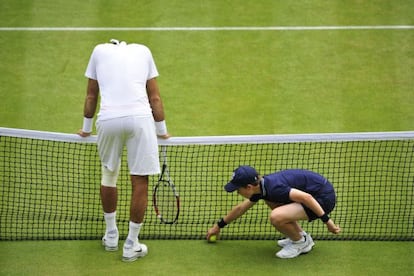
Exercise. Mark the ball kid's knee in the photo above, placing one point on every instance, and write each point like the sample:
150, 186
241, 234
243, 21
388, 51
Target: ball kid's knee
276, 217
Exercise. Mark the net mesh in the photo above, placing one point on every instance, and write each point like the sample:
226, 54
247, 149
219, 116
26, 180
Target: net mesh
50, 185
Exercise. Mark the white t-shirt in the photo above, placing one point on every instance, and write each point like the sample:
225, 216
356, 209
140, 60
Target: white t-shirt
122, 72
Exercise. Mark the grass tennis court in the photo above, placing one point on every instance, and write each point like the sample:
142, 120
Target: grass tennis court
216, 82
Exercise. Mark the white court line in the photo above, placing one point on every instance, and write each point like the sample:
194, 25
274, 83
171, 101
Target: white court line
269, 28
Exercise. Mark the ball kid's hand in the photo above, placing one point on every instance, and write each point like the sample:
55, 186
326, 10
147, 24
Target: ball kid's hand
213, 231
332, 227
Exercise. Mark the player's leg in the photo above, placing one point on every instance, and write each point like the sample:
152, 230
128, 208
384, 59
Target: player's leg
133, 249
109, 192
109, 197
143, 160
139, 199
142, 150
110, 149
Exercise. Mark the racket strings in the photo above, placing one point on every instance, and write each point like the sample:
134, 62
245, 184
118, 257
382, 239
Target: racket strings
166, 201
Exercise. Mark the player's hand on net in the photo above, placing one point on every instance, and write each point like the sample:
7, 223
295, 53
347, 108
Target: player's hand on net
81, 133
165, 136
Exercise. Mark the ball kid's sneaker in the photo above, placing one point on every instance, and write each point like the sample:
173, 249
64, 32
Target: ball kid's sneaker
294, 249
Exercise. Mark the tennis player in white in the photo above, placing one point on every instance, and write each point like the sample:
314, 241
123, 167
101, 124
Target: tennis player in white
131, 115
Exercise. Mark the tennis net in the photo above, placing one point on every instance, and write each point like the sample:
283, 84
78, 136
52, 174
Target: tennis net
49, 184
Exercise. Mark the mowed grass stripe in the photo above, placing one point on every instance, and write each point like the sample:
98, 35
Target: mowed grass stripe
229, 28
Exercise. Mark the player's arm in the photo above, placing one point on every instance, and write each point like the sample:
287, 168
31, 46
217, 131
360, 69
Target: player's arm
236, 212
89, 109
157, 107
309, 201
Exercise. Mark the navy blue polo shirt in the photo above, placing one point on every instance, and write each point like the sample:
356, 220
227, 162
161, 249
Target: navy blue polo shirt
276, 188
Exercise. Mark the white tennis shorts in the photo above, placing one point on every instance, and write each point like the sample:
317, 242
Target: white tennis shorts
135, 133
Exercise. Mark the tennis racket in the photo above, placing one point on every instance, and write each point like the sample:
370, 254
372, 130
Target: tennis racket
165, 198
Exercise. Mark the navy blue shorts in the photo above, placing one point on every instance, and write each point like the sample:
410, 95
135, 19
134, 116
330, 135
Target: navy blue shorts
327, 202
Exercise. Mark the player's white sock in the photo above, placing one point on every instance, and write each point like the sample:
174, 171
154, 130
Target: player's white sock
110, 220
134, 229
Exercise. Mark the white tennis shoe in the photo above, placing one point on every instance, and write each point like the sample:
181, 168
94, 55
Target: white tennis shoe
110, 240
287, 241
284, 242
133, 251
294, 249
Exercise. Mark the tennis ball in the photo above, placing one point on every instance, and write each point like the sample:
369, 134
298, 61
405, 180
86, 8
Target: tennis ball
213, 238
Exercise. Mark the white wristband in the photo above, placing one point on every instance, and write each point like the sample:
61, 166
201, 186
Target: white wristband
87, 125
161, 128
